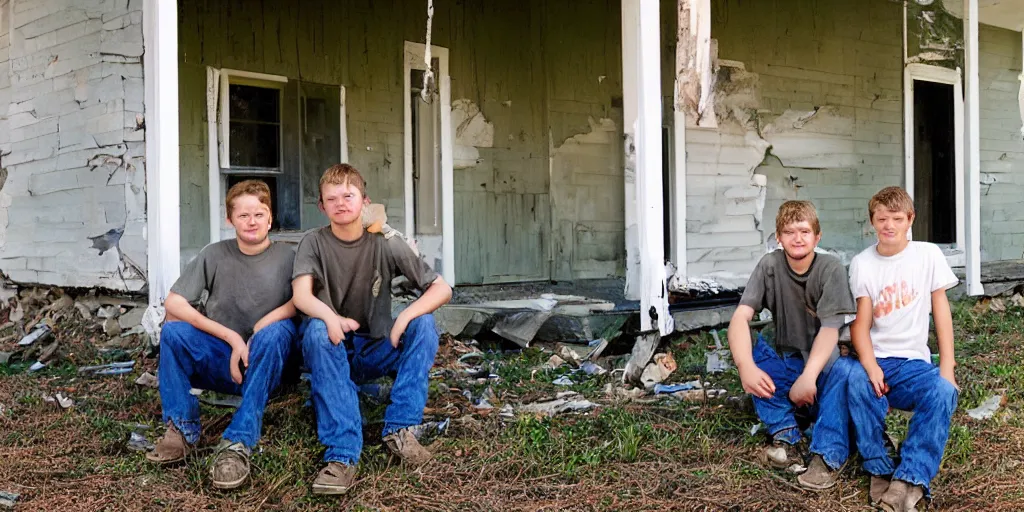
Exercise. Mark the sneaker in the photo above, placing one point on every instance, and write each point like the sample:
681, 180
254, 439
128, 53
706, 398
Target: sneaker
879, 484
901, 497
170, 448
819, 476
231, 467
404, 444
781, 455
335, 478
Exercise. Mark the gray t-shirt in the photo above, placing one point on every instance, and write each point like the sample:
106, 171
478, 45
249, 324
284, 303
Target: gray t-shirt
800, 303
354, 278
241, 289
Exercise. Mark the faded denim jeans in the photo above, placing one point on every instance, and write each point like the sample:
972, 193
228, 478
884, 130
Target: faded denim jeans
914, 385
778, 413
336, 370
191, 358
832, 432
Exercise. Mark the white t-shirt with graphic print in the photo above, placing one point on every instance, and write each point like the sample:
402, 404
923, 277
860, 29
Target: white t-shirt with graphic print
900, 288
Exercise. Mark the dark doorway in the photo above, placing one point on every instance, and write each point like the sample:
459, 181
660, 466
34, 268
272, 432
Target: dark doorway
667, 187
934, 163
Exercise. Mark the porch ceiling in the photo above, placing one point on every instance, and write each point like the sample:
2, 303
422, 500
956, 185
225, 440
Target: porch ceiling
1008, 14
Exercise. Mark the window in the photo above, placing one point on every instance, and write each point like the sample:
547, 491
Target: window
250, 123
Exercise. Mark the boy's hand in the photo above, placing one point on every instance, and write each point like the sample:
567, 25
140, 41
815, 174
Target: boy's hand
757, 382
336, 330
803, 391
877, 378
948, 374
239, 352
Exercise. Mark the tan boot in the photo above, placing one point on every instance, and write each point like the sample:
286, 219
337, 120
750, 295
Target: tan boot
879, 484
404, 444
780, 455
231, 467
170, 448
819, 476
901, 497
335, 478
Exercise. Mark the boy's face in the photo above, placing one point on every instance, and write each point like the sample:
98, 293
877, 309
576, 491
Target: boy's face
343, 204
798, 239
891, 226
250, 218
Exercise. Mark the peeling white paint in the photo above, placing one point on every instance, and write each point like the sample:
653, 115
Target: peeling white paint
822, 138
472, 131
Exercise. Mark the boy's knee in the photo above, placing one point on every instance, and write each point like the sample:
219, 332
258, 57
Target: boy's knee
944, 394
858, 384
174, 334
423, 323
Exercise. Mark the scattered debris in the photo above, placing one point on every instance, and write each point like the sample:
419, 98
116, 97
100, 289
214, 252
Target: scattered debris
717, 358
553, 362
64, 402
988, 408
41, 332
148, 380
563, 381
574, 354
8, 499
572, 402
642, 352
140, 443
659, 370
83, 310
673, 388
111, 327
131, 319
120, 368
592, 368
107, 312
507, 412
756, 428
4, 357
597, 348
36, 366
17, 314
427, 432
151, 321
698, 395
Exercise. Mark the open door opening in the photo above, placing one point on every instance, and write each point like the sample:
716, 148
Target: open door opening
935, 197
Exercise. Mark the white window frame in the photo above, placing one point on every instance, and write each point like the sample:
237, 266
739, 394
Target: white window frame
413, 58
928, 73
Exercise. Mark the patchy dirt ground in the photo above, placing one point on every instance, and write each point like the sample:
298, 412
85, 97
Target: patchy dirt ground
624, 455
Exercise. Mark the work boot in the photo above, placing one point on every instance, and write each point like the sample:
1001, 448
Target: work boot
231, 467
819, 476
170, 448
901, 497
335, 478
404, 444
782, 455
879, 484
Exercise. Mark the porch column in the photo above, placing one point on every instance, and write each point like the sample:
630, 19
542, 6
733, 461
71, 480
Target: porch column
972, 143
642, 59
160, 37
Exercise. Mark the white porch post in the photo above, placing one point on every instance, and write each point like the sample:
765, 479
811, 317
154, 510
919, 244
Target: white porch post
645, 63
972, 139
630, 37
160, 36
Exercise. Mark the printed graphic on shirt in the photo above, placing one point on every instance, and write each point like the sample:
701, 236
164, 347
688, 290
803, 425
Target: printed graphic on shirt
894, 297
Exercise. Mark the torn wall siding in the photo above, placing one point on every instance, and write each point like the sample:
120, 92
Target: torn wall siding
818, 118
1002, 144
72, 143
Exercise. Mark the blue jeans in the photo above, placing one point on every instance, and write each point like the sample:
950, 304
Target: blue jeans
191, 358
335, 370
914, 385
778, 413
832, 432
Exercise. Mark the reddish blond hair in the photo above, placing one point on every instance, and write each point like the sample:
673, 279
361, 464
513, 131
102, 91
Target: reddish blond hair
256, 188
342, 174
797, 211
894, 199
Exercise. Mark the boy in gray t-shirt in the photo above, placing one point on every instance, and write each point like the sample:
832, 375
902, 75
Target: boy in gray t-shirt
808, 296
342, 280
247, 318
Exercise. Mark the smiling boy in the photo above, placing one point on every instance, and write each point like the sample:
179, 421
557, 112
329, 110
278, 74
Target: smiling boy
247, 319
342, 281
809, 299
897, 284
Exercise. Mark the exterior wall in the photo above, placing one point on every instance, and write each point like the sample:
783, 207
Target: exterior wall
72, 193
540, 76
808, 102
1002, 145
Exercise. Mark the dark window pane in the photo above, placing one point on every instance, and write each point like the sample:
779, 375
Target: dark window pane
255, 103
255, 145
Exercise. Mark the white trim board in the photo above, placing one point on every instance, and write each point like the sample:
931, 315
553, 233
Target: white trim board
928, 73
413, 58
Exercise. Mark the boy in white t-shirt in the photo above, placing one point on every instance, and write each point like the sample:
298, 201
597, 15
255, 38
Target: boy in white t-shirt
896, 284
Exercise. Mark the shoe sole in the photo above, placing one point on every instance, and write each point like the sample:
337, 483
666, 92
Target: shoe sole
234, 484
165, 462
329, 489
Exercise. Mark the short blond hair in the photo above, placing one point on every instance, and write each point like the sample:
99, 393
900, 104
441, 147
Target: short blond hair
342, 174
894, 199
797, 211
257, 188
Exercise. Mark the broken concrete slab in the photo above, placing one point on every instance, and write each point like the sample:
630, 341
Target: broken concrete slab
131, 319
642, 352
689, 320
111, 327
